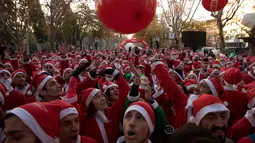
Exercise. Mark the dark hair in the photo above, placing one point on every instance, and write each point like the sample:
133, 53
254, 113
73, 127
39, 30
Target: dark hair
183, 87
191, 133
91, 110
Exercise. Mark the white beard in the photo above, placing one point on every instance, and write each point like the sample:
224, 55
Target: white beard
6, 83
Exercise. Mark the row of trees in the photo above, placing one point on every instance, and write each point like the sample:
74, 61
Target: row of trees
178, 15
48, 24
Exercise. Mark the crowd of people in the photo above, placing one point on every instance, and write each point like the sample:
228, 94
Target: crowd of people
118, 96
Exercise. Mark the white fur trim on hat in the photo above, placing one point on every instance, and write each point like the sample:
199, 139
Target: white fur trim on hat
145, 114
105, 87
133, 98
41, 85
17, 74
154, 64
68, 111
217, 107
216, 66
50, 64
212, 87
214, 71
91, 95
30, 121
64, 72
1, 71
191, 86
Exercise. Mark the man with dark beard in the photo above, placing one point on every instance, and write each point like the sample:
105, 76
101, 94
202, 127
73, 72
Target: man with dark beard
209, 112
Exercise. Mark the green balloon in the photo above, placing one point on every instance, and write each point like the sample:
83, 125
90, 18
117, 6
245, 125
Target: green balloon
232, 55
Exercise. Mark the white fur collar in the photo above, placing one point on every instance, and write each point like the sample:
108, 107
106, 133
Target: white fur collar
101, 116
122, 140
249, 73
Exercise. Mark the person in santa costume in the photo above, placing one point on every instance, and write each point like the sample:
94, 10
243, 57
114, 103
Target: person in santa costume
69, 124
33, 123
19, 81
196, 69
214, 73
100, 121
237, 100
50, 67
250, 76
178, 67
138, 123
179, 101
209, 112
46, 88
12, 97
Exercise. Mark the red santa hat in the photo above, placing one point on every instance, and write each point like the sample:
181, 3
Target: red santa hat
146, 111
8, 62
18, 71
83, 61
39, 80
216, 64
142, 64
2, 70
203, 105
66, 108
213, 71
33, 116
196, 66
88, 94
65, 70
215, 87
108, 85
125, 67
190, 83
50, 63
176, 64
232, 76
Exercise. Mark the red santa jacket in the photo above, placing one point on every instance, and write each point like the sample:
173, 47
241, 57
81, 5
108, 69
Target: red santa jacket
83, 139
95, 128
236, 102
179, 101
14, 99
248, 78
246, 140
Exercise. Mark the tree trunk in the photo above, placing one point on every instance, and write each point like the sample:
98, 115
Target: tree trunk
221, 34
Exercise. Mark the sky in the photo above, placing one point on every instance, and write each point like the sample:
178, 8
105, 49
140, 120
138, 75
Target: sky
201, 13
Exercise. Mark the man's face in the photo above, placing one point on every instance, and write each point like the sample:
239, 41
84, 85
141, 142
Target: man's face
69, 129
216, 122
216, 75
114, 93
17, 132
20, 79
99, 101
127, 71
8, 67
49, 69
136, 129
52, 88
205, 65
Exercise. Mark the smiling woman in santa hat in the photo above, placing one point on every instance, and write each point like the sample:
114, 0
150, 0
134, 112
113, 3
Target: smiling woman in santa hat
100, 122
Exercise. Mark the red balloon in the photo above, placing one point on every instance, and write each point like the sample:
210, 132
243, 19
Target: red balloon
214, 5
126, 16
